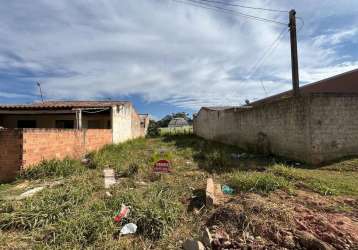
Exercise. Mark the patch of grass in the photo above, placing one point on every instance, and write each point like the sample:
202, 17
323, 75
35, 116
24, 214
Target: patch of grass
155, 210
325, 182
120, 156
52, 169
176, 131
87, 226
258, 182
47, 207
217, 159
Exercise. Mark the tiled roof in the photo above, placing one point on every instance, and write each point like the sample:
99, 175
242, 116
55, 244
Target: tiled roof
62, 105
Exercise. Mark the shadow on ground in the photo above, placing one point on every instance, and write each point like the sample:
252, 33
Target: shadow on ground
218, 157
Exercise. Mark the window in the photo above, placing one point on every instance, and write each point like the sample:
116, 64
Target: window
94, 124
26, 124
65, 124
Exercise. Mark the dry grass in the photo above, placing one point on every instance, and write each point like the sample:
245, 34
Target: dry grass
78, 215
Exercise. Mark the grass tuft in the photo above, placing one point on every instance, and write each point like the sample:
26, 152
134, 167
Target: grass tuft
52, 169
258, 182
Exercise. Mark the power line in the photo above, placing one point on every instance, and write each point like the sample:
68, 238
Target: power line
268, 51
228, 11
244, 6
234, 11
303, 23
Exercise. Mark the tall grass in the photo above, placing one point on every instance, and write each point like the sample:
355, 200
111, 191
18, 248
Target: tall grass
47, 207
53, 168
258, 182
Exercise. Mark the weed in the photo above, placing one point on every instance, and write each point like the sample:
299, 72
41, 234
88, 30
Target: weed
258, 182
53, 168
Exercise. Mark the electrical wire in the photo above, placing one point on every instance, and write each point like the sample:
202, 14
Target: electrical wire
228, 11
269, 50
236, 12
244, 6
302, 22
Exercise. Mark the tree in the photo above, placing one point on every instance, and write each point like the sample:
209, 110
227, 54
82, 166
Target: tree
153, 128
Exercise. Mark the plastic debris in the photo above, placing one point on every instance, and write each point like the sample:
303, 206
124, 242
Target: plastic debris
228, 190
31, 192
129, 228
122, 214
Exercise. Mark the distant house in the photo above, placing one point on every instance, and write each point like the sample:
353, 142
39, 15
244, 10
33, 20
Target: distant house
58, 129
178, 122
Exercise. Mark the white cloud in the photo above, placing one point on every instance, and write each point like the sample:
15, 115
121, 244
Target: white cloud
162, 50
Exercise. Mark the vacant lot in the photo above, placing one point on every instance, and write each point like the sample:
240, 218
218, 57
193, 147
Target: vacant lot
276, 203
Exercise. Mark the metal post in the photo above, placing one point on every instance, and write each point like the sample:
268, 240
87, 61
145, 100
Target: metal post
294, 55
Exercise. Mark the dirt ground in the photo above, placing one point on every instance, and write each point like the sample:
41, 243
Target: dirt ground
282, 221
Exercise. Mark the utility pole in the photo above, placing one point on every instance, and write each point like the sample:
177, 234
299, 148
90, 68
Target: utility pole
39, 85
294, 56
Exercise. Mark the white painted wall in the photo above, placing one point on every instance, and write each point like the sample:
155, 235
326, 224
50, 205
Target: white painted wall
121, 123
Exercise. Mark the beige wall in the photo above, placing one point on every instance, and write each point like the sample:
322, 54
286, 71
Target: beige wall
316, 128
334, 127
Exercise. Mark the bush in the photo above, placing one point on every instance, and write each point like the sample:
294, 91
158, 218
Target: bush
153, 129
53, 168
258, 182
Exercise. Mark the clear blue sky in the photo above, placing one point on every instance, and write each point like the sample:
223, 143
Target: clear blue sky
166, 56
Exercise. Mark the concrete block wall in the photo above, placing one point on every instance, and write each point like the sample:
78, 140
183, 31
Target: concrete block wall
314, 128
10, 154
333, 126
279, 128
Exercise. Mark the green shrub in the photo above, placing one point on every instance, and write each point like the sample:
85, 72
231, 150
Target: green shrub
53, 168
258, 182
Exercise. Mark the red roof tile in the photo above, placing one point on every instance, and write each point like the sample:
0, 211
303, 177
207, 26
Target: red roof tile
62, 105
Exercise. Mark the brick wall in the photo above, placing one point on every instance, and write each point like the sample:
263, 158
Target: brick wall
314, 128
27, 147
10, 153
46, 144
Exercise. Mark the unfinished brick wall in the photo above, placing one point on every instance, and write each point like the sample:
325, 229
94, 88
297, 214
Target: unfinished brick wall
314, 128
23, 148
10, 153
46, 144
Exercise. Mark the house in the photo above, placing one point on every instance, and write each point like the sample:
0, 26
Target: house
59, 129
318, 126
178, 122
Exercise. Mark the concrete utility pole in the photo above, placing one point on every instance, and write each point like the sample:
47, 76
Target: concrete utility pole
294, 56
